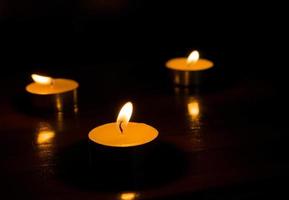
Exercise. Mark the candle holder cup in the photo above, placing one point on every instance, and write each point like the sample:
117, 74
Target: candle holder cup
62, 102
191, 78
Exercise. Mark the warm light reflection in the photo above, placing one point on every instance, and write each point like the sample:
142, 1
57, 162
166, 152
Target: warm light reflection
193, 57
124, 116
45, 136
60, 121
194, 110
44, 80
128, 196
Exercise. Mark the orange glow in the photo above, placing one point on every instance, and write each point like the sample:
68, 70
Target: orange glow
124, 116
128, 196
45, 136
194, 110
193, 57
44, 80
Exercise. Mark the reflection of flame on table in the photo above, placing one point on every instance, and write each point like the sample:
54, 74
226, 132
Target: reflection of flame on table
45, 134
45, 137
194, 112
128, 196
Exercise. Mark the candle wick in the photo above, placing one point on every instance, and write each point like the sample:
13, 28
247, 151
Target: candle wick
120, 128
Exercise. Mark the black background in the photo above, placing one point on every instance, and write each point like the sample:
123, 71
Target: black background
243, 38
241, 34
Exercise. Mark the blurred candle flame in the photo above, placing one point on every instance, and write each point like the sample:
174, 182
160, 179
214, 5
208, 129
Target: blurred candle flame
44, 80
193, 57
124, 116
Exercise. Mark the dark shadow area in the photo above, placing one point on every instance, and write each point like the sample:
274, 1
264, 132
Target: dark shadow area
23, 104
165, 164
271, 188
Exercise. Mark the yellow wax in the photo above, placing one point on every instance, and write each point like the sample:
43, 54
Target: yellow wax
58, 86
135, 134
182, 65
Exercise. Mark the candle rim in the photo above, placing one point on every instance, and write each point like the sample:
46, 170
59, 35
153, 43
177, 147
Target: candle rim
208, 63
33, 84
126, 145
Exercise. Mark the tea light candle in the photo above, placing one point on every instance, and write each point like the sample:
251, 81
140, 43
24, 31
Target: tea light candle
47, 93
185, 69
44, 85
123, 133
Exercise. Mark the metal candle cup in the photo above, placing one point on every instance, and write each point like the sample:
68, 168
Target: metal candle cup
189, 71
50, 94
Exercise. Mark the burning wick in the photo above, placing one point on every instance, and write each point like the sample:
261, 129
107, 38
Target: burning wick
120, 128
124, 116
123, 133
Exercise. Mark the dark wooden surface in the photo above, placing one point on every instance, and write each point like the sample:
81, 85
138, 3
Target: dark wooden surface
238, 152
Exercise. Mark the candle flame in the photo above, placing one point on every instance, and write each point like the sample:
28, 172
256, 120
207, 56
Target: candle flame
44, 80
193, 57
194, 109
124, 116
